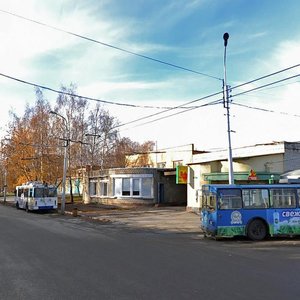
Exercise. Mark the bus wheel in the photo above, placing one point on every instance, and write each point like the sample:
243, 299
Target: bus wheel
257, 230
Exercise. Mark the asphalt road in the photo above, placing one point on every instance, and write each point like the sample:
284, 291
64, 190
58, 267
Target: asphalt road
46, 256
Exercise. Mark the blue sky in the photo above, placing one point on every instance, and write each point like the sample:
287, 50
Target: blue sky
264, 38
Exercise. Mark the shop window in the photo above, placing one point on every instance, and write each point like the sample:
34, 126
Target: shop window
134, 187
93, 188
126, 187
103, 188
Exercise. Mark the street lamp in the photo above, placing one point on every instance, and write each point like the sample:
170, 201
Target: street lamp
226, 105
63, 194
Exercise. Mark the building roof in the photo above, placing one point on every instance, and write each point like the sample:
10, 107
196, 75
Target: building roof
243, 152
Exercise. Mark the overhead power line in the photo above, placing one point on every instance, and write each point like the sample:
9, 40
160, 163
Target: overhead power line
183, 106
168, 116
172, 108
265, 109
266, 85
266, 76
75, 95
109, 45
142, 106
196, 107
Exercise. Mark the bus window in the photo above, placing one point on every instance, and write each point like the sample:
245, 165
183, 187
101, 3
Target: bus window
209, 201
20, 192
30, 193
52, 192
39, 192
283, 198
230, 199
255, 198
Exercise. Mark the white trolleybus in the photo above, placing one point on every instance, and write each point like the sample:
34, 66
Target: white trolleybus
34, 196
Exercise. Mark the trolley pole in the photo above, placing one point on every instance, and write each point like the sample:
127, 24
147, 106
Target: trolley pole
226, 105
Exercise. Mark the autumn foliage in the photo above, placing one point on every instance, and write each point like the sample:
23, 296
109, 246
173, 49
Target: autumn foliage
33, 148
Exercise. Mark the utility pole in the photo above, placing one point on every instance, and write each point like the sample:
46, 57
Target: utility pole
66, 139
226, 105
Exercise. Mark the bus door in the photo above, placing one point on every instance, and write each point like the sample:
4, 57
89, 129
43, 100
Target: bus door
209, 213
230, 216
21, 197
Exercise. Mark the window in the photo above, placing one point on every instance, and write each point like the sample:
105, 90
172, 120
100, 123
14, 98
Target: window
38, 192
52, 192
209, 201
161, 164
177, 163
25, 192
147, 183
93, 188
283, 198
230, 199
134, 187
30, 194
103, 188
126, 187
255, 198
20, 192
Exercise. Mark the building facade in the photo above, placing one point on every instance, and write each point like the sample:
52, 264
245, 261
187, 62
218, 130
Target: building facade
133, 186
256, 164
152, 180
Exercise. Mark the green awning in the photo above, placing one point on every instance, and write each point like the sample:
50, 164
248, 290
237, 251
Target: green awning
241, 176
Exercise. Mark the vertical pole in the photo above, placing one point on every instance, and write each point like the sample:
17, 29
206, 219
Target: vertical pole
66, 135
226, 105
5, 186
63, 194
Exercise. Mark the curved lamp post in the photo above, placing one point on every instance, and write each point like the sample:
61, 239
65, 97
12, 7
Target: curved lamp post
226, 105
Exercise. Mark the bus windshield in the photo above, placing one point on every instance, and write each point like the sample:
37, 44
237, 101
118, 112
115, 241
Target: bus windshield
45, 192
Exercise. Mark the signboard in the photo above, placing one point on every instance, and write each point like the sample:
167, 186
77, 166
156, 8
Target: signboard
181, 174
252, 175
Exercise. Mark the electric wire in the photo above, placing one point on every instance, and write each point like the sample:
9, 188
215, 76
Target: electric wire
168, 116
265, 109
75, 95
266, 85
186, 109
172, 108
265, 76
134, 105
109, 45
195, 107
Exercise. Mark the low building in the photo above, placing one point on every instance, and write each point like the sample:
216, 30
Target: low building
138, 186
263, 163
163, 158
150, 178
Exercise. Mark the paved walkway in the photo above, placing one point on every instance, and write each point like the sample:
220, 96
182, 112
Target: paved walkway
171, 219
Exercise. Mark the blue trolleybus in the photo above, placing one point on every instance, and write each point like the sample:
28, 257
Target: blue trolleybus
256, 211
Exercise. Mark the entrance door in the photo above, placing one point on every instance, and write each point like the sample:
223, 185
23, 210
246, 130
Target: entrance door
161, 193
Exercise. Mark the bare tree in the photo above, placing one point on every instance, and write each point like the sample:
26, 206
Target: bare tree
102, 136
72, 109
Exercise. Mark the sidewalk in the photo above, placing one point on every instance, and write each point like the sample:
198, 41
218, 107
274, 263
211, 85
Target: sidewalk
168, 218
